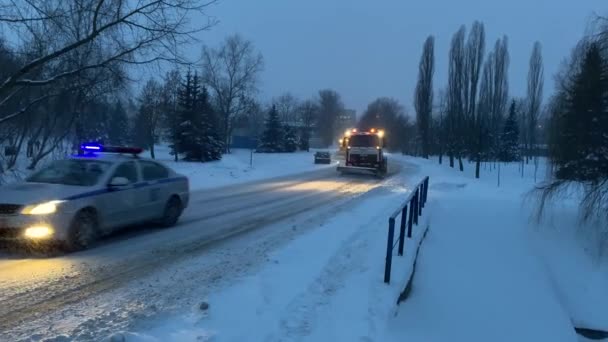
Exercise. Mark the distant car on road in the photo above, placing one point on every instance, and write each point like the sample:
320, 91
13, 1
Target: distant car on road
74, 201
322, 157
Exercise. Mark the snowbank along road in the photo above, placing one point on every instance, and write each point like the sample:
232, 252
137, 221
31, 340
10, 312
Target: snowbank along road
62, 295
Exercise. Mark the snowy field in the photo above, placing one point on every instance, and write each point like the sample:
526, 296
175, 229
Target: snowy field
486, 272
240, 166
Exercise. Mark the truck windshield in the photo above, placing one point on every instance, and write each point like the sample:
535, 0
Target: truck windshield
364, 141
71, 172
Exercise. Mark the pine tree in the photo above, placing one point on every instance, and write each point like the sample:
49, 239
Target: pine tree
182, 135
273, 136
580, 141
509, 142
197, 135
118, 126
291, 140
209, 141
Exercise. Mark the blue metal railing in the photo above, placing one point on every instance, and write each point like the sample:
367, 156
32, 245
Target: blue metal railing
415, 201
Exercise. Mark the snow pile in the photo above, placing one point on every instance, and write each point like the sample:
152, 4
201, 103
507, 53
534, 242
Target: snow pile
238, 167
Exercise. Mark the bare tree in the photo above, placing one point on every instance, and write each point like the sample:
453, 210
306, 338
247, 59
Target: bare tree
456, 97
475, 51
119, 32
147, 128
474, 121
534, 99
440, 128
423, 99
391, 115
495, 93
287, 106
169, 104
231, 72
308, 113
330, 107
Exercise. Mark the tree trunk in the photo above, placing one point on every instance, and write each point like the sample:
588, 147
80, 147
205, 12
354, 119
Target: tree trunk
460, 165
152, 154
451, 159
477, 166
226, 136
440, 157
499, 175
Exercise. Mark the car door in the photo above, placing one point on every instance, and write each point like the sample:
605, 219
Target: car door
120, 203
156, 192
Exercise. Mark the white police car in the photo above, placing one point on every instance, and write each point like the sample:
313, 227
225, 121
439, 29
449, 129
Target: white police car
76, 200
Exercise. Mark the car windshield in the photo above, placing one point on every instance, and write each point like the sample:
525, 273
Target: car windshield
364, 141
71, 172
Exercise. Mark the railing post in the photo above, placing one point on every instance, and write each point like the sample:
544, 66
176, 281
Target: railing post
389, 250
416, 206
422, 191
426, 189
410, 218
402, 229
419, 195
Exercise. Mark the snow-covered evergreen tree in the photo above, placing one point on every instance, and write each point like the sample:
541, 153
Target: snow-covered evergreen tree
291, 140
509, 142
209, 140
189, 118
197, 138
273, 137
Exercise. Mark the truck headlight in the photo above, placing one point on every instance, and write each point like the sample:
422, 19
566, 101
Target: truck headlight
41, 209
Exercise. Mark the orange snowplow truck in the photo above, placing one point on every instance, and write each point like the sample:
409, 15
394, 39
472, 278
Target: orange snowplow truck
364, 152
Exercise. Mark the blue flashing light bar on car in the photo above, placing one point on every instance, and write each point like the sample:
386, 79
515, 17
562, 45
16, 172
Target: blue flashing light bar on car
96, 147
91, 147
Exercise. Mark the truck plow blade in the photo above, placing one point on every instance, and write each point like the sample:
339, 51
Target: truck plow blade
359, 170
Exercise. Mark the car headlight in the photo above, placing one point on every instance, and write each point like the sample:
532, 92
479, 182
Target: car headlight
41, 209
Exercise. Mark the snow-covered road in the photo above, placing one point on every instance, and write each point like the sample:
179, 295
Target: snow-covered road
85, 295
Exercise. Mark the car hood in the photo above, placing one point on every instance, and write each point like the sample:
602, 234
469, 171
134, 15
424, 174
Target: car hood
32, 193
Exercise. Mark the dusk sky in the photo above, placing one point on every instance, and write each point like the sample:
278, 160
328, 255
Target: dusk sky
368, 49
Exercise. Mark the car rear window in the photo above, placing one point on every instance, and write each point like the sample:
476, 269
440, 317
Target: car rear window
153, 171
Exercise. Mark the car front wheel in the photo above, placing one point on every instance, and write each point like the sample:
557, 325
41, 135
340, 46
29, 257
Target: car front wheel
83, 231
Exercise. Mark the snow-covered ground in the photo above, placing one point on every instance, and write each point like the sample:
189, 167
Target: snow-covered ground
486, 272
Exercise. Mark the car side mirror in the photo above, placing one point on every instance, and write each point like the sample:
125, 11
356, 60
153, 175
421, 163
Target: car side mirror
117, 182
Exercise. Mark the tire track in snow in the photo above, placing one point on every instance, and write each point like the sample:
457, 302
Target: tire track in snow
351, 257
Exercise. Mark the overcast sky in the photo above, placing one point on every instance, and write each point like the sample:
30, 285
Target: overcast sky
367, 49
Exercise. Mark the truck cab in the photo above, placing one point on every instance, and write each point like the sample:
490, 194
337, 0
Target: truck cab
364, 151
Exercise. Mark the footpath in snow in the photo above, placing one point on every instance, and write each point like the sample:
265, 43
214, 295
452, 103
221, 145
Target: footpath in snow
485, 272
